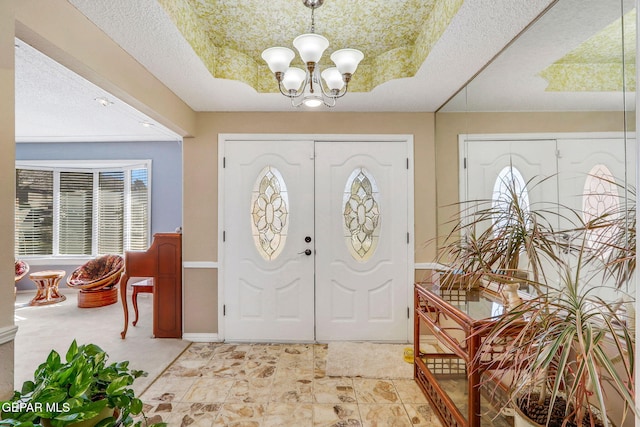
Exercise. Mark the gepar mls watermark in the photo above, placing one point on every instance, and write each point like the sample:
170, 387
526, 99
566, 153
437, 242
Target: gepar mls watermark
22, 406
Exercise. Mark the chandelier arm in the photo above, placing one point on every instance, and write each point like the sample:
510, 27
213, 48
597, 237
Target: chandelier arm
342, 93
327, 104
297, 104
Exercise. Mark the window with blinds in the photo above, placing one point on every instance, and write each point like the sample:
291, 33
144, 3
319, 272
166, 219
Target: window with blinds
110, 212
34, 212
75, 230
70, 210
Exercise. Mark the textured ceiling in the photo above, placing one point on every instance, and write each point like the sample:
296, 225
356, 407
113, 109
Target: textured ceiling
144, 28
229, 36
581, 38
596, 65
55, 104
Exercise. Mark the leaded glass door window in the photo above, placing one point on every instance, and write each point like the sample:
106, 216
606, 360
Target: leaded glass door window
269, 213
361, 214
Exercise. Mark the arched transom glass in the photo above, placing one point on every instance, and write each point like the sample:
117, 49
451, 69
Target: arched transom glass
509, 185
599, 197
269, 213
361, 214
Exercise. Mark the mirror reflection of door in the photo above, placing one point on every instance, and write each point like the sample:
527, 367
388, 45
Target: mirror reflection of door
588, 174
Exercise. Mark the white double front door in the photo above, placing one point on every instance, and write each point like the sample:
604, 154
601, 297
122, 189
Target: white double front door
315, 240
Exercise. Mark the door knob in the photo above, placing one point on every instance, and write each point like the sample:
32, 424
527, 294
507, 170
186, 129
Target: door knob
306, 252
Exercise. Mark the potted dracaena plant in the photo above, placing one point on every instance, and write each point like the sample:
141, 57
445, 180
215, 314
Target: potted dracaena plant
574, 352
80, 391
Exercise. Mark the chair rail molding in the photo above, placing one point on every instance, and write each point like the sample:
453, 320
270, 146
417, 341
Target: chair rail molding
200, 264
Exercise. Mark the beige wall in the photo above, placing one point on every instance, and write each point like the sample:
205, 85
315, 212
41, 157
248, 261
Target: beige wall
201, 185
7, 195
449, 125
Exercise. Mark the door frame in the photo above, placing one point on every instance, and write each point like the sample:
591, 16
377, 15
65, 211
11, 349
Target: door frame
224, 138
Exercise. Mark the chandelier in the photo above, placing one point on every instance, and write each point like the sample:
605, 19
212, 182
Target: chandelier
305, 87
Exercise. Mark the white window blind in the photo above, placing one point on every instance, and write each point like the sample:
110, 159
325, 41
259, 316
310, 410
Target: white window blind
69, 209
34, 212
139, 216
75, 230
110, 212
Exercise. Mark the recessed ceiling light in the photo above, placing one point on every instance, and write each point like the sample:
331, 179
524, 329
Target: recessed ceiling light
103, 101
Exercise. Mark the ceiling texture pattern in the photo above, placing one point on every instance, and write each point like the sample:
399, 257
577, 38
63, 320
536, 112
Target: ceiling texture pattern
208, 51
229, 36
596, 65
418, 54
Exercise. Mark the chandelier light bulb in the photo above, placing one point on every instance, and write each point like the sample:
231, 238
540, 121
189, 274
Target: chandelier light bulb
311, 46
293, 79
347, 60
278, 58
333, 78
312, 101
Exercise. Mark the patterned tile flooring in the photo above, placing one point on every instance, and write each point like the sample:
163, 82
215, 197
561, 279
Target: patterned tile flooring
252, 385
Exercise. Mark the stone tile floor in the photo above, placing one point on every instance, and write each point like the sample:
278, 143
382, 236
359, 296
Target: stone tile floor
252, 385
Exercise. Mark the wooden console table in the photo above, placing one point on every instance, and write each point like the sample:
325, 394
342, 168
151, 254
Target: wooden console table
458, 319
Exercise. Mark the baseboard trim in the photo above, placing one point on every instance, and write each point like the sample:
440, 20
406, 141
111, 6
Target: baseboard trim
200, 337
8, 334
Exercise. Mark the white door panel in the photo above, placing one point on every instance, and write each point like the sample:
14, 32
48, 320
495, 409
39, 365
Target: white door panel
577, 157
581, 163
535, 159
361, 268
361, 283
268, 299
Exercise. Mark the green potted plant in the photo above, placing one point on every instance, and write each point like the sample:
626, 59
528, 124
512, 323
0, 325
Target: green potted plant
81, 390
502, 241
573, 355
574, 351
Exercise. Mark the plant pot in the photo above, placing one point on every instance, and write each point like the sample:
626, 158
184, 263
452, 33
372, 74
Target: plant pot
105, 413
522, 420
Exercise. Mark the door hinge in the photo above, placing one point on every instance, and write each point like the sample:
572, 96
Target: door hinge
558, 154
407, 163
408, 312
224, 162
407, 238
224, 236
465, 163
224, 309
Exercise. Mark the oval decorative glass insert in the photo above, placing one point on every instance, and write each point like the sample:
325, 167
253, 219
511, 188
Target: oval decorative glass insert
509, 185
599, 197
361, 214
269, 213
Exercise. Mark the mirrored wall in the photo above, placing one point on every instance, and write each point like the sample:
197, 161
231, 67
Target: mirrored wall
559, 102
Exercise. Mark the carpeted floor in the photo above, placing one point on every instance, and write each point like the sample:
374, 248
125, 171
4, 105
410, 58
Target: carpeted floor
43, 328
